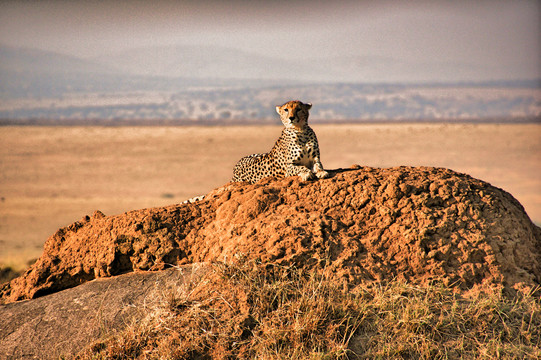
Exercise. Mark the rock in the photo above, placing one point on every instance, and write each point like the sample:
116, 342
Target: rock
361, 224
61, 324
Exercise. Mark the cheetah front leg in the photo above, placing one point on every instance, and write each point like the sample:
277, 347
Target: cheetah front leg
318, 169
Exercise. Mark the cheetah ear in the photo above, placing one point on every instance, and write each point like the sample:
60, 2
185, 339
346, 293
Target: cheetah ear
278, 109
308, 106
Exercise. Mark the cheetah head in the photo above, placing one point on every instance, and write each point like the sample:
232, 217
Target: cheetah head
294, 114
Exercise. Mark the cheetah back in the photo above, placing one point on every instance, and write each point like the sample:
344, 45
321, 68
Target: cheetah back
255, 167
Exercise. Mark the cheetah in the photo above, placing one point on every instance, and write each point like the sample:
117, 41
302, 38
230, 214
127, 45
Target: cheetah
296, 152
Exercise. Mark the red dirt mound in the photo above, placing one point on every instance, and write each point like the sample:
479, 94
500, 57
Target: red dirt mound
362, 224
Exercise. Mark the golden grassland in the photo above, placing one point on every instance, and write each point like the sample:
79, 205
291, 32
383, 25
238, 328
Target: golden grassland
264, 311
52, 176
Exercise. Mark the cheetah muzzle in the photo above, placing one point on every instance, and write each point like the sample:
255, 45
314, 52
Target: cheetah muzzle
296, 152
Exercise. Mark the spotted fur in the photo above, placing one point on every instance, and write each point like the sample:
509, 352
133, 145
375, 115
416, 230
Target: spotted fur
296, 152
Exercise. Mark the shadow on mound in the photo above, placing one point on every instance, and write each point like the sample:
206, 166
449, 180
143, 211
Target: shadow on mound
362, 224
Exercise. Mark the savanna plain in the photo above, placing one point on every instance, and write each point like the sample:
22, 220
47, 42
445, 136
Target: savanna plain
51, 176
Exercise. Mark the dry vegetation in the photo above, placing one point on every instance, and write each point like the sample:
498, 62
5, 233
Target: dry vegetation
251, 310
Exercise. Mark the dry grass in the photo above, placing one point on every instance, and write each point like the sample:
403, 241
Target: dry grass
255, 311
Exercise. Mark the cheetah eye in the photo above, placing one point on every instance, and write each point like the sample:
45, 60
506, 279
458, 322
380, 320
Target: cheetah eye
286, 110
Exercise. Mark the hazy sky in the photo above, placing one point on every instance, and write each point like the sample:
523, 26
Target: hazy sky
502, 35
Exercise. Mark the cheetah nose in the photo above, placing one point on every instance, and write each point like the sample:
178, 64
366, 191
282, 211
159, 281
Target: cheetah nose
292, 118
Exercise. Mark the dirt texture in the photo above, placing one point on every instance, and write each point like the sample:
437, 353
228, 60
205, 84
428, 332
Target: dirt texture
362, 224
60, 325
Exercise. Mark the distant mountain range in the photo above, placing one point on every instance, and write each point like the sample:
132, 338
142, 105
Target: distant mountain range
220, 62
202, 83
205, 62
28, 73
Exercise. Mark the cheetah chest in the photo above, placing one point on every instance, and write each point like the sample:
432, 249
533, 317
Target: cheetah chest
303, 152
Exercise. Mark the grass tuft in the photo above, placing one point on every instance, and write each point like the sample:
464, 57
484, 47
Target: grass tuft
263, 311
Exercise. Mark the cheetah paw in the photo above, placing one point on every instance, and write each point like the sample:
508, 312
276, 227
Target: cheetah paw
322, 174
306, 175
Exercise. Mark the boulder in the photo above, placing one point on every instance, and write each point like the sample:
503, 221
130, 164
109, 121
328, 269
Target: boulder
61, 324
